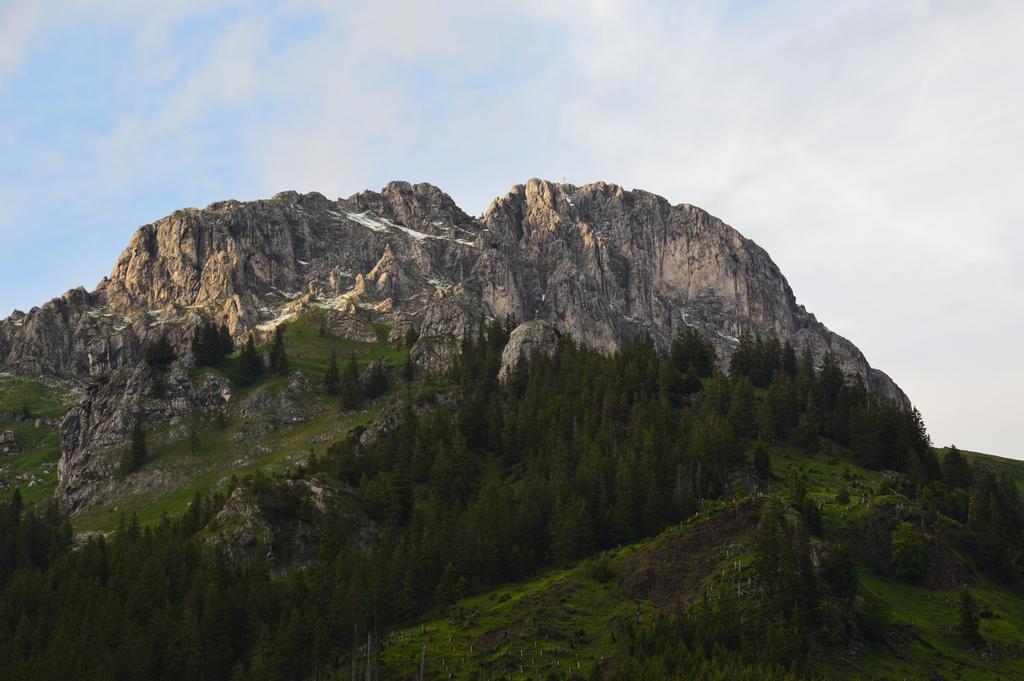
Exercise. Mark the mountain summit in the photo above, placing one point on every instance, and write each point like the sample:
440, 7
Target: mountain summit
599, 262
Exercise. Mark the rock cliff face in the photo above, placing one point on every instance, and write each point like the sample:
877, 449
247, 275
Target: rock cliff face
597, 262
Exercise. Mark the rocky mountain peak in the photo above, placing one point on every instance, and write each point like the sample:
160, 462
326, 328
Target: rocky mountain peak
597, 261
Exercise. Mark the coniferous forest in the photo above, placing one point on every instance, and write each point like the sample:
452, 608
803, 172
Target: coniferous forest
485, 482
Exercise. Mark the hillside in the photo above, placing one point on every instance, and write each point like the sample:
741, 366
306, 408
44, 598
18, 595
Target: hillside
586, 435
587, 516
583, 618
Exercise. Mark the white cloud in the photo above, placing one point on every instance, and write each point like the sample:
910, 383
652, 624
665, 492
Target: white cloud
872, 148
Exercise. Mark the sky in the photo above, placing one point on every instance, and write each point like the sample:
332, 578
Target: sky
874, 149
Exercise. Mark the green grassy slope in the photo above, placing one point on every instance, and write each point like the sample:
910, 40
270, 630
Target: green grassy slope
177, 474
566, 621
34, 469
571, 620
1012, 468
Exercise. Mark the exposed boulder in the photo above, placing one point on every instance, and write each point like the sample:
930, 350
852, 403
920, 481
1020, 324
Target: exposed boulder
279, 520
525, 339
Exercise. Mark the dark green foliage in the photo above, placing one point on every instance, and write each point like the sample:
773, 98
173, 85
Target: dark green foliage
30, 541
250, 366
689, 349
743, 408
332, 379
762, 461
226, 344
350, 389
758, 360
278, 352
211, 343
907, 551
410, 337
968, 622
484, 482
160, 355
956, 470
409, 369
376, 380
451, 587
766, 636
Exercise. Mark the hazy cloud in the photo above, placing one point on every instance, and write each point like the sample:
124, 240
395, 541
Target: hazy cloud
872, 148
18, 24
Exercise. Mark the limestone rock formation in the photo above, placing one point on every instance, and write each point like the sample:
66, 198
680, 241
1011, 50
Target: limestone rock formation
525, 339
598, 262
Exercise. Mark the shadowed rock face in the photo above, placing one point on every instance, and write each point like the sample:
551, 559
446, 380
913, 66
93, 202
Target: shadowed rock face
598, 262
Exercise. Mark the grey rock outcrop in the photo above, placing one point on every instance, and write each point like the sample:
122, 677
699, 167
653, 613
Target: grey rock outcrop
525, 339
598, 262
96, 432
245, 530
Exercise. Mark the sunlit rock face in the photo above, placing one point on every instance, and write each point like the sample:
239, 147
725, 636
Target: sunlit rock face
597, 262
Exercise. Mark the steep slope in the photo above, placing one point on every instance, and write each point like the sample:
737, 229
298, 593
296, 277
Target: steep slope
597, 261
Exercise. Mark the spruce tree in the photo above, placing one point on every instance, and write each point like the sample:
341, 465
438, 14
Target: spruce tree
969, 618
351, 391
410, 337
762, 461
226, 342
159, 354
790, 365
743, 408
197, 346
278, 353
907, 551
376, 380
250, 363
956, 470
332, 379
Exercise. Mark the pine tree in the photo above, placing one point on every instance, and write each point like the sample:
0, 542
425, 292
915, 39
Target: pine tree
831, 379
159, 354
408, 369
351, 391
790, 365
907, 551
450, 587
969, 618
743, 408
332, 379
572, 532
197, 346
278, 353
376, 380
410, 337
762, 461
250, 363
226, 342
956, 470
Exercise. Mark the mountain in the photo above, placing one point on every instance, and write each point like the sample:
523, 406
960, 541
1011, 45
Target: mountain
378, 438
598, 262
